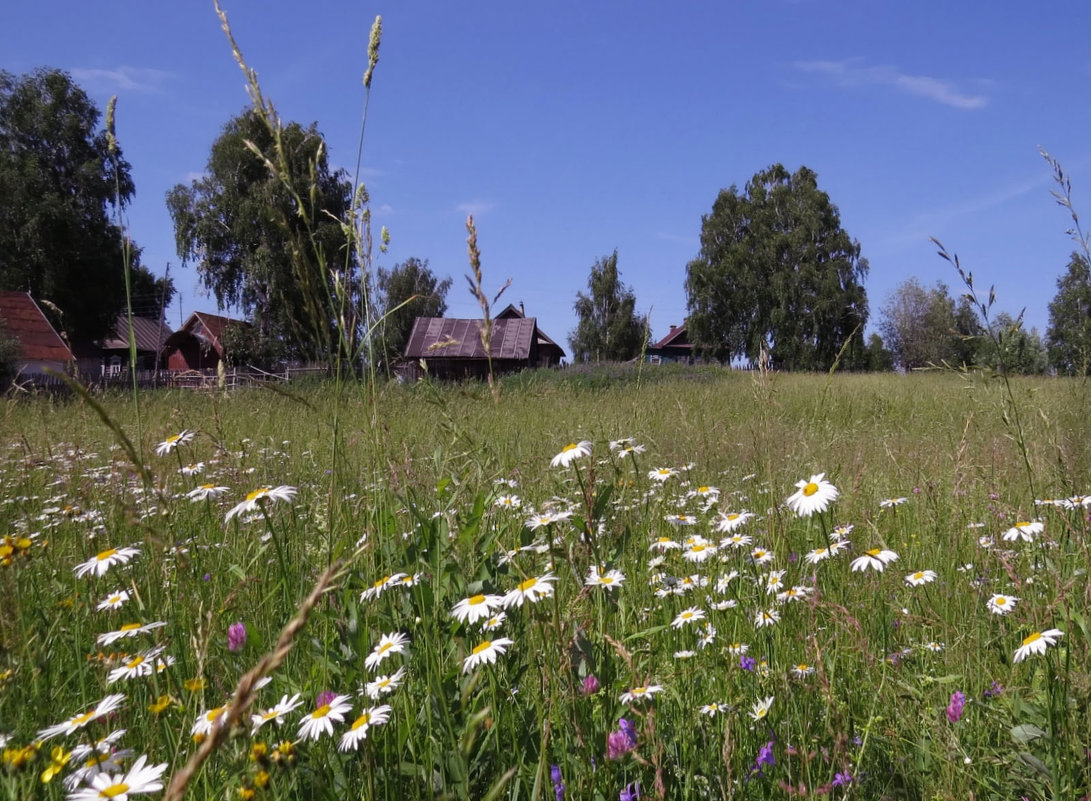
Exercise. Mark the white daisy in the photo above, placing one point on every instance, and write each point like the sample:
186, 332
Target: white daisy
1001, 604
114, 600
875, 559
920, 577
1037, 643
77, 722
388, 644
476, 607
319, 722
761, 708
98, 564
611, 579
533, 589
486, 651
370, 717
172, 442
640, 693
384, 685
727, 522
128, 630
1025, 531
766, 617
570, 453
812, 496
276, 712
253, 500
661, 474
691, 615
140, 779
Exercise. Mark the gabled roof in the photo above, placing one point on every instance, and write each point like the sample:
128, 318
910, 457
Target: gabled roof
150, 334
452, 338
677, 338
509, 312
203, 326
24, 320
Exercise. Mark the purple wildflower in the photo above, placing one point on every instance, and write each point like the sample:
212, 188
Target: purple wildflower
842, 779
630, 793
995, 690
954, 707
622, 741
765, 759
558, 784
747, 662
236, 636
590, 685
324, 698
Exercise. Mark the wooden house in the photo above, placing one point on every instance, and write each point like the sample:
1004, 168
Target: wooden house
451, 348
674, 347
110, 357
198, 344
40, 346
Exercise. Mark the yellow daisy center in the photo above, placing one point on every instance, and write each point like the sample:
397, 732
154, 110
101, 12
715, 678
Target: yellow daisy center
321, 712
810, 489
607, 579
96, 760
698, 548
114, 790
381, 581
130, 627
733, 516
639, 690
261, 492
363, 720
1001, 601
1033, 638
476, 600
174, 438
528, 584
873, 552
702, 490
761, 712
1022, 524
207, 486
136, 661
386, 646
482, 647
86, 717
918, 576
102, 557
570, 447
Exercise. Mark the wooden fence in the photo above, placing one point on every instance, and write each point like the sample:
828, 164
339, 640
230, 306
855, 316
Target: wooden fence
188, 379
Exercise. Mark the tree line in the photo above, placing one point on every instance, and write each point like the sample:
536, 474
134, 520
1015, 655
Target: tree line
776, 280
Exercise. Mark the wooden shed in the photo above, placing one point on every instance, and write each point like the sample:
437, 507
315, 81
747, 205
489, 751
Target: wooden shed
451, 348
40, 346
111, 356
198, 344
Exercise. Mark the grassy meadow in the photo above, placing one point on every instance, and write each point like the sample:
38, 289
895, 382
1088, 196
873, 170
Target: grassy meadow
390, 592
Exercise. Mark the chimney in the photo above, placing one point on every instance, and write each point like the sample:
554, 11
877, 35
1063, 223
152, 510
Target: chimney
522, 311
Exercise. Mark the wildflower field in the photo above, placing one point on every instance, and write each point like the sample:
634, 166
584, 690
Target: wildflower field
669, 585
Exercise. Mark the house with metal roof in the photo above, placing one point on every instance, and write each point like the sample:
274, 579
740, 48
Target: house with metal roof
453, 348
198, 344
110, 357
40, 346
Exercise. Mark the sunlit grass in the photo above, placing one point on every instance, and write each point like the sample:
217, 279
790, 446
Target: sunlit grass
860, 664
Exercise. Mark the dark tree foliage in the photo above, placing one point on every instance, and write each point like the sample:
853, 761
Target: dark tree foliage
777, 275
151, 295
1069, 334
407, 291
1012, 349
609, 328
256, 249
58, 184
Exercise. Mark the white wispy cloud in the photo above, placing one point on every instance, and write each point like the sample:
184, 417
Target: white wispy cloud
475, 207
129, 79
852, 73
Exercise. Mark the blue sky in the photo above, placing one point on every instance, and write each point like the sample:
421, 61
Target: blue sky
570, 129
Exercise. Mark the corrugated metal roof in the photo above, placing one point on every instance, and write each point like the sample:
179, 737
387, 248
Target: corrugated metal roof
150, 334
452, 338
25, 321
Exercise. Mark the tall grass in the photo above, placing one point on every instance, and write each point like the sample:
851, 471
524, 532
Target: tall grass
425, 504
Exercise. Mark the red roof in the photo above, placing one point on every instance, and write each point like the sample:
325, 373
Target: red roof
24, 321
677, 338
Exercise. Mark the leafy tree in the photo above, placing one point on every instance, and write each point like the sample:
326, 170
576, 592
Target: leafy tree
9, 354
407, 291
256, 247
1010, 348
1069, 333
59, 180
923, 327
151, 295
777, 275
609, 328
877, 357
